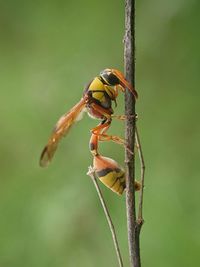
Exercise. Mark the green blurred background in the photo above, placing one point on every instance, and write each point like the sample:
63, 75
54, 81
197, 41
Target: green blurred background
48, 51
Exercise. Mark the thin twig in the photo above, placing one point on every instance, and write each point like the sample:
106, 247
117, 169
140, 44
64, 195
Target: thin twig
142, 171
91, 173
139, 221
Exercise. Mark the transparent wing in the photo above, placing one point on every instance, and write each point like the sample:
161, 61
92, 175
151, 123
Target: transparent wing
61, 129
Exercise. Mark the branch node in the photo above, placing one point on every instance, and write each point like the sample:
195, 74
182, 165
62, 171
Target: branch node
140, 222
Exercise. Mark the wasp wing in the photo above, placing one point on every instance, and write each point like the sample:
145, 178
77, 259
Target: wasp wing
61, 129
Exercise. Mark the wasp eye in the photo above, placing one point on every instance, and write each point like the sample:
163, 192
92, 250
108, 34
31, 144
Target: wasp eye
109, 78
112, 79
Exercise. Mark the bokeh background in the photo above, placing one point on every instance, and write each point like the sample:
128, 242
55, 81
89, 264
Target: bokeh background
48, 51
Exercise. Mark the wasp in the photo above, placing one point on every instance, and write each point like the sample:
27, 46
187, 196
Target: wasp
97, 100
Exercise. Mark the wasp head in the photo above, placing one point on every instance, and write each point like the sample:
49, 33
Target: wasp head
114, 77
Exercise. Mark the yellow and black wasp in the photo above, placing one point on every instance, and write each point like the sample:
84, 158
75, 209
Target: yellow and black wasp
97, 101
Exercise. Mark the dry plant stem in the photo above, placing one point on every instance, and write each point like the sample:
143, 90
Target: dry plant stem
91, 173
141, 157
129, 67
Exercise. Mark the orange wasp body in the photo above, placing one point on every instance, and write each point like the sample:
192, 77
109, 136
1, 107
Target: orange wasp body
97, 100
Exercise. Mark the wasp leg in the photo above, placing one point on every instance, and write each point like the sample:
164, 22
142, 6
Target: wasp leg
124, 117
93, 144
116, 139
106, 113
101, 130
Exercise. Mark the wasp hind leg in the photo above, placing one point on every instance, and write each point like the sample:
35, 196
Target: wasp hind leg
124, 117
101, 130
